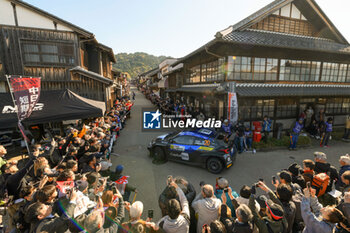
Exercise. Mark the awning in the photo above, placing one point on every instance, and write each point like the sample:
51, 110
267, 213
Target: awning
53, 106
273, 90
163, 83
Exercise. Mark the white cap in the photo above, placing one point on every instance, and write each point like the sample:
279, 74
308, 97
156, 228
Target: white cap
320, 155
345, 159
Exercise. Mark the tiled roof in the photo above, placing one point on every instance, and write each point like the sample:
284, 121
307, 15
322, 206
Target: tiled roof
265, 10
91, 74
275, 39
273, 90
265, 90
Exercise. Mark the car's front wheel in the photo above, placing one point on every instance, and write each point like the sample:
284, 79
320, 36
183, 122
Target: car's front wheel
214, 165
158, 154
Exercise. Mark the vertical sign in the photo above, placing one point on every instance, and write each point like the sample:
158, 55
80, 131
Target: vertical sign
26, 93
232, 110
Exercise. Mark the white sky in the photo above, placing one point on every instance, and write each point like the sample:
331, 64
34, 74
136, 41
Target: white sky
166, 27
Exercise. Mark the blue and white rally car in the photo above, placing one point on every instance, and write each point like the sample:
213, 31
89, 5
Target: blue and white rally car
200, 147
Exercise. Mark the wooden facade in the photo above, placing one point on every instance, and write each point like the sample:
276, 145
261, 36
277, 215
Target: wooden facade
52, 54
288, 43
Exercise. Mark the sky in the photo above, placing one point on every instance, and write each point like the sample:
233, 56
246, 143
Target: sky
167, 27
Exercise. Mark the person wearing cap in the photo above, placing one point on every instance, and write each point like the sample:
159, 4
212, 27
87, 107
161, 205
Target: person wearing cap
286, 178
344, 166
321, 166
122, 183
297, 127
320, 219
275, 220
295, 171
227, 127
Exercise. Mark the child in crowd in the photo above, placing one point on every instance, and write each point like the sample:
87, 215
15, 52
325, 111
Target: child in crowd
248, 137
328, 128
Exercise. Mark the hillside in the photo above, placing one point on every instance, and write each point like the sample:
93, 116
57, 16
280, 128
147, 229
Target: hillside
136, 63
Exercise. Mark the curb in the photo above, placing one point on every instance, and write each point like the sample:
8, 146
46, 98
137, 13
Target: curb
281, 148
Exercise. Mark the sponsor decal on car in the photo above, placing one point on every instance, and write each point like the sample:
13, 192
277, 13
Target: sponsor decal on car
206, 148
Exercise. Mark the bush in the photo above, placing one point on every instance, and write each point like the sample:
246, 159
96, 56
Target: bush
283, 142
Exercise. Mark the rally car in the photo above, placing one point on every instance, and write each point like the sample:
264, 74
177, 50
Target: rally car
201, 147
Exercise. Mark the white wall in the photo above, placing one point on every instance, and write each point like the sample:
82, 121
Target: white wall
26, 17
6, 13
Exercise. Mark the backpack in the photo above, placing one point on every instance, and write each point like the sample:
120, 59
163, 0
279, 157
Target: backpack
320, 182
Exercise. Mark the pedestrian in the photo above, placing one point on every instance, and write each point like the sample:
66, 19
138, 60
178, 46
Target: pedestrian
266, 128
347, 128
298, 126
227, 128
275, 220
309, 113
327, 132
320, 220
344, 166
222, 187
321, 166
122, 182
206, 206
248, 138
133, 95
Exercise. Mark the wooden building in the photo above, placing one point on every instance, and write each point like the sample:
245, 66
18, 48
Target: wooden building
283, 58
36, 43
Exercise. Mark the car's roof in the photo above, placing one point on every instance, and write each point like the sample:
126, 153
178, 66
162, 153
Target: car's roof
204, 133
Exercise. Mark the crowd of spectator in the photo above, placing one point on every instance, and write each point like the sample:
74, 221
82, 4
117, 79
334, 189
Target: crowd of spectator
68, 185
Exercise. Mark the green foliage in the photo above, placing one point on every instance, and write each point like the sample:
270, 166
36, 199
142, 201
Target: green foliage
137, 63
283, 142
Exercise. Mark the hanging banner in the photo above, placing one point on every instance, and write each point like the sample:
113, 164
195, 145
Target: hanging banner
232, 110
26, 92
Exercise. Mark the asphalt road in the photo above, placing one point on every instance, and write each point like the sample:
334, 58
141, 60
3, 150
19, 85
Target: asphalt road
150, 179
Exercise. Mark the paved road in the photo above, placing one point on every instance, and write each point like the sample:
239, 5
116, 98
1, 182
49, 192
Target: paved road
151, 178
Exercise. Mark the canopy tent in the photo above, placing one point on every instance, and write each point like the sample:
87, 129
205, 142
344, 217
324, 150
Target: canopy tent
53, 106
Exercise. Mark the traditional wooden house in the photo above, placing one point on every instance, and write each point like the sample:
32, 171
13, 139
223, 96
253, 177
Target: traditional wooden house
36, 43
283, 58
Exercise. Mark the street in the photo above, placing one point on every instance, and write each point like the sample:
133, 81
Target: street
150, 179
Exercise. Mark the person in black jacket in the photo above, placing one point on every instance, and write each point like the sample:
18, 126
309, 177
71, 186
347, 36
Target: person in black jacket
41, 219
14, 178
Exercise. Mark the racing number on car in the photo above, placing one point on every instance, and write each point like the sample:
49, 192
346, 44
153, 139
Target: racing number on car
206, 142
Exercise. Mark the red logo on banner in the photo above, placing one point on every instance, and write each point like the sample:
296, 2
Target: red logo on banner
26, 91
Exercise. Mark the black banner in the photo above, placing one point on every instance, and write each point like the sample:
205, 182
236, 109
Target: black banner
26, 92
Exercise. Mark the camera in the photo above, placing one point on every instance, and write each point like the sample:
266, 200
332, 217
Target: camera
150, 213
56, 174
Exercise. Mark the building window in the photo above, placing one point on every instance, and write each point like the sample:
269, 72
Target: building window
286, 108
342, 73
240, 68
271, 69
194, 76
346, 106
334, 106
315, 71
48, 53
260, 108
330, 72
259, 68
296, 70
